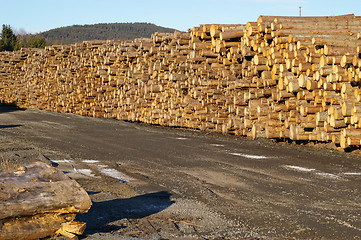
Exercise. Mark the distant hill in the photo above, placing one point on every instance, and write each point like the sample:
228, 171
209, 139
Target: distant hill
102, 31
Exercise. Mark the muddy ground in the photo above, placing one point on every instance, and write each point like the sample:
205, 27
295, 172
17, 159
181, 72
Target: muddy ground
151, 182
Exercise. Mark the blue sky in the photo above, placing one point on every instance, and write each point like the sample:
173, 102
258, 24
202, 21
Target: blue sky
41, 15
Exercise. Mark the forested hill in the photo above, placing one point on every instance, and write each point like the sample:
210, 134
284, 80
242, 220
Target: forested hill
102, 31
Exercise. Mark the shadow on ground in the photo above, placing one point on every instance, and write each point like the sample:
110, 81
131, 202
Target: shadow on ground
4, 108
9, 126
101, 214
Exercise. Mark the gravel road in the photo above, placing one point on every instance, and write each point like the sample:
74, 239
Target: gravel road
152, 182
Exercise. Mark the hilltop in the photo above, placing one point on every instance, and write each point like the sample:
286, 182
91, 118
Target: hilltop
102, 31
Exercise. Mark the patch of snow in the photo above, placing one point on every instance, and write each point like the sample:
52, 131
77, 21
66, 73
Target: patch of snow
305, 179
328, 175
62, 161
352, 173
102, 165
217, 145
301, 169
249, 156
86, 172
90, 161
110, 172
181, 138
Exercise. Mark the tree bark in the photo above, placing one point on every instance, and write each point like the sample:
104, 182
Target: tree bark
36, 200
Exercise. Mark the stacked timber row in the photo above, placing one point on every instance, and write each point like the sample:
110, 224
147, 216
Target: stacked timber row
316, 63
279, 77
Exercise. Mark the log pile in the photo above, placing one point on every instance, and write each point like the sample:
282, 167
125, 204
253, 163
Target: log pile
291, 78
38, 201
316, 63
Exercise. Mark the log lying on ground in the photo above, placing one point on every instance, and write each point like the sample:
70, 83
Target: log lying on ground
37, 201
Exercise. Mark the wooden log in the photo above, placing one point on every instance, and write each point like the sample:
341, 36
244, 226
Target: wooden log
231, 34
337, 50
273, 132
33, 227
251, 29
36, 200
312, 19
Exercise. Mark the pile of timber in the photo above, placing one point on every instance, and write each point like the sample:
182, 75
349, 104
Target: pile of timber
316, 62
285, 78
38, 201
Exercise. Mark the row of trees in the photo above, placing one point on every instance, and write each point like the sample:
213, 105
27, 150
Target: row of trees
11, 42
102, 31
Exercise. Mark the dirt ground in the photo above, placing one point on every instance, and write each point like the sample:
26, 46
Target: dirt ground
151, 182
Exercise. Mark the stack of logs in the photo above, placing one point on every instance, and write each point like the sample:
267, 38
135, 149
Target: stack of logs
291, 78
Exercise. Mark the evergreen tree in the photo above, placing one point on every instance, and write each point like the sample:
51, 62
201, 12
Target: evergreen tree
21, 42
30, 41
36, 41
7, 39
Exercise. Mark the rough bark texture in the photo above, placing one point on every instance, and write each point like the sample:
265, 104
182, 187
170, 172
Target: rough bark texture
36, 200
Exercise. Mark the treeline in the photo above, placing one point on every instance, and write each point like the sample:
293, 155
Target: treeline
102, 31
11, 42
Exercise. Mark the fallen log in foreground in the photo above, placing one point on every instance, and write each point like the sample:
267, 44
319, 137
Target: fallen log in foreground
37, 201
